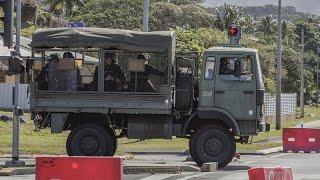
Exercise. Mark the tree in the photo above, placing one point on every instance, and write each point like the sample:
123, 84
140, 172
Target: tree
64, 5
218, 23
179, 2
247, 24
231, 15
225, 16
284, 29
194, 16
118, 14
164, 16
267, 25
28, 11
291, 66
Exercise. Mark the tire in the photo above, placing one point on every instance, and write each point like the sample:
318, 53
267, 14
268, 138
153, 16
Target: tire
91, 140
212, 144
192, 138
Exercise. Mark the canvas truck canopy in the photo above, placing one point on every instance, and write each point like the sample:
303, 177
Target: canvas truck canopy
162, 41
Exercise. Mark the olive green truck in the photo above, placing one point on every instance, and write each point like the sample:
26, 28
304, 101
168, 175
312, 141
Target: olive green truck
214, 101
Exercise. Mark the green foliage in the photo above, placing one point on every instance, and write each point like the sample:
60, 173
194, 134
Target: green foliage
284, 29
199, 28
66, 7
123, 14
199, 40
179, 2
28, 11
291, 66
226, 15
267, 25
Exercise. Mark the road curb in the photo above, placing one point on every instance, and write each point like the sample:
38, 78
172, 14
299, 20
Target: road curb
127, 169
17, 171
156, 153
163, 169
263, 152
131, 169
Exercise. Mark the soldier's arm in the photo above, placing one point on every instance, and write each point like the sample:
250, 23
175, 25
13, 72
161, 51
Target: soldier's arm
122, 77
95, 75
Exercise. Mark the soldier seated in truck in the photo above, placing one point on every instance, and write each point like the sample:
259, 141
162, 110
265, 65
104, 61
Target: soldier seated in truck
42, 78
139, 81
114, 77
69, 55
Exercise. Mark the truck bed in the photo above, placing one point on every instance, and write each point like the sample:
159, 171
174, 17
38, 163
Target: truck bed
120, 102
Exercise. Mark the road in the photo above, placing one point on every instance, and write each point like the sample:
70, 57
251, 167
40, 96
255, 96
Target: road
305, 167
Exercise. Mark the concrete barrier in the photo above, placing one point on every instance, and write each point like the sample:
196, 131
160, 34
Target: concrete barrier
80, 168
301, 139
276, 173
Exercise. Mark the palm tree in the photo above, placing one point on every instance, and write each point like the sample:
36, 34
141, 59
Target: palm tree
231, 14
64, 5
267, 25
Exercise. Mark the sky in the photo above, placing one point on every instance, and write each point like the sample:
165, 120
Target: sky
307, 6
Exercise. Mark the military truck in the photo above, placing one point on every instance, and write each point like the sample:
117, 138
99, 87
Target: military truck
214, 101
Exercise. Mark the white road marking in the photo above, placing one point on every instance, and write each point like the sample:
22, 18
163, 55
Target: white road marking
159, 176
307, 176
249, 162
280, 155
194, 176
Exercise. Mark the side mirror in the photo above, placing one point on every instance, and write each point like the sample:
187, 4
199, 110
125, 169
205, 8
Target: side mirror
237, 69
29, 64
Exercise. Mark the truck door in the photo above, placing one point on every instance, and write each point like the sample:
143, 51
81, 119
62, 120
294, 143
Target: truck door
207, 85
235, 86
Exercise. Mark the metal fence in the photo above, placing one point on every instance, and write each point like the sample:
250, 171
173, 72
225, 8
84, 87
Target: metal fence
6, 96
288, 104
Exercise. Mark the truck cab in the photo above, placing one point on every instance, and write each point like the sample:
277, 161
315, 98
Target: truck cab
231, 81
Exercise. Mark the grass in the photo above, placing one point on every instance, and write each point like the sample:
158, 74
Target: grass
44, 142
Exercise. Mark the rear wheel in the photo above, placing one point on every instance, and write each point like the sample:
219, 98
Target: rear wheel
212, 144
91, 140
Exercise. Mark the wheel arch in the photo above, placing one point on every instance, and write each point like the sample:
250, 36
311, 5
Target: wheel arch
212, 116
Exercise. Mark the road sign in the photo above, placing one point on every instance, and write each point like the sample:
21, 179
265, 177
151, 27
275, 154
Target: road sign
77, 24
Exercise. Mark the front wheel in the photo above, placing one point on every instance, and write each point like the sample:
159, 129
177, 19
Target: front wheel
212, 144
91, 140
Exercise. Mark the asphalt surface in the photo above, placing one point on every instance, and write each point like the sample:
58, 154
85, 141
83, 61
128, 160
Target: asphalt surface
305, 167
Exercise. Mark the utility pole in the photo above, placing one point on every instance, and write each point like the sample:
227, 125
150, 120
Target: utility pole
302, 72
279, 51
146, 15
318, 72
16, 119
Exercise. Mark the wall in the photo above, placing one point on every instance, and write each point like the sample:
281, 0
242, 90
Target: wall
6, 96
